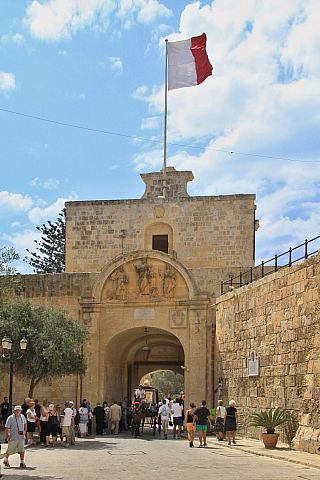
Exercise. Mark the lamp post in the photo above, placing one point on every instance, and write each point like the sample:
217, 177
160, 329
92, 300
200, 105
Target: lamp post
9, 354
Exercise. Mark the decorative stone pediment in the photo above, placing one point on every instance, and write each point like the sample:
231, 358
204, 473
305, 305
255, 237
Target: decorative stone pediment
144, 279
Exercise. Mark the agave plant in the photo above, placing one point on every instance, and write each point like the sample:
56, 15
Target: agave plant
270, 420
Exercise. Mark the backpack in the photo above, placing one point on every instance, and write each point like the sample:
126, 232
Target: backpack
164, 411
77, 418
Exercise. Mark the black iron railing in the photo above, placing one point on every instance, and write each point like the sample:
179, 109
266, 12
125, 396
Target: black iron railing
286, 259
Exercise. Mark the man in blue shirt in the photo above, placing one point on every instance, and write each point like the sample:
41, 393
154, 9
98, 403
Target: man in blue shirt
16, 429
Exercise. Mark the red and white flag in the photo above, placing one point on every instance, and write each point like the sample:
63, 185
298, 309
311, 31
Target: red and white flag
188, 62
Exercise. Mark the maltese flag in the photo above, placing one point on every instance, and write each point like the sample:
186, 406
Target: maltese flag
188, 62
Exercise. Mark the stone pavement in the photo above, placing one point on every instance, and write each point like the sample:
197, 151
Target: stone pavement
123, 457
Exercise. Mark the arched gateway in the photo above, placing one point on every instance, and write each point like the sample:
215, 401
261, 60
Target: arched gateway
150, 290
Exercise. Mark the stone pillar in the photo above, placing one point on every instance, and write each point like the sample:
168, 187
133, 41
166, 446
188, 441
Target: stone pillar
196, 361
92, 383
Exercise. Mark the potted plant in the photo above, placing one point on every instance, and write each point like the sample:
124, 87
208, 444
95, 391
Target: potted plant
270, 420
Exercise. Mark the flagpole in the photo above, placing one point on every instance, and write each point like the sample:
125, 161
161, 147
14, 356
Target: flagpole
164, 185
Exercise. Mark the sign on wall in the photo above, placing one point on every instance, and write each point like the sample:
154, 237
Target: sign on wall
253, 365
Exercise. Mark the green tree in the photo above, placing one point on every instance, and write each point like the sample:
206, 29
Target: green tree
9, 279
54, 341
166, 381
49, 256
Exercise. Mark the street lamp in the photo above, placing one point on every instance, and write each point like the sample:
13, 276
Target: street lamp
145, 351
9, 353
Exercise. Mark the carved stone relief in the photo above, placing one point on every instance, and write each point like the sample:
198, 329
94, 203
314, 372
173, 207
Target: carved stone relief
178, 318
145, 280
158, 211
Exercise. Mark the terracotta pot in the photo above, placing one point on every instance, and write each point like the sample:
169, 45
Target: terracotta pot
270, 439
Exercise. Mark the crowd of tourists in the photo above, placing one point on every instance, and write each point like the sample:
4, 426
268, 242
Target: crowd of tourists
63, 423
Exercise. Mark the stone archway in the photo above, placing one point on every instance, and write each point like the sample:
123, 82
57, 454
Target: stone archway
124, 365
145, 289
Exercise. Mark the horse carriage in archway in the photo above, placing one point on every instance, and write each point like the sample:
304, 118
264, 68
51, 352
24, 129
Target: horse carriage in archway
145, 412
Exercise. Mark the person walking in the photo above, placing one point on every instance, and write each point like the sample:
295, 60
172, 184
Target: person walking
37, 408
190, 423
165, 416
106, 422
4, 407
44, 424
83, 423
15, 429
202, 417
177, 411
25, 406
230, 421
72, 436
67, 421
31, 422
53, 423
220, 421
98, 412
58, 409
115, 417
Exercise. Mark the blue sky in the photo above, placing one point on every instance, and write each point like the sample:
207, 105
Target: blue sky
99, 64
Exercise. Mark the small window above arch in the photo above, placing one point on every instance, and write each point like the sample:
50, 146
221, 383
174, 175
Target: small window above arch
159, 236
161, 243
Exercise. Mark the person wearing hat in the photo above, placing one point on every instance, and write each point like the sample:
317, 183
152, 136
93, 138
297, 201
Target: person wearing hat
16, 429
72, 435
140, 393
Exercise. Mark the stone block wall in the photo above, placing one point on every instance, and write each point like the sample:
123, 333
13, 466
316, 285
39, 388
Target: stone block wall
216, 232
278, 318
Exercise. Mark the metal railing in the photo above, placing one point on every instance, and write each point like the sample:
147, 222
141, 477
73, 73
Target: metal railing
260, 271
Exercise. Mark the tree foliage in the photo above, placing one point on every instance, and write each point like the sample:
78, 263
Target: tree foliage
54, 341
9, 279
166, 381
49, 256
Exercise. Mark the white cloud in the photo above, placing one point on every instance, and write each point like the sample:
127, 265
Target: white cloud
14, 202
14, 224
50, 184
152, 159
60, 19
18, 39
116, 65
24, 240
37, 214
150, 123
151, 10
62, 52
262, 99
7, 81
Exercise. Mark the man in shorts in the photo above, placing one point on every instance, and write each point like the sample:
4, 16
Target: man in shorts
165, 414
16, 429
67, 421
177, 411
201, 417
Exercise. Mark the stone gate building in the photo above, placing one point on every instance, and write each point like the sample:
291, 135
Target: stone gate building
152, 263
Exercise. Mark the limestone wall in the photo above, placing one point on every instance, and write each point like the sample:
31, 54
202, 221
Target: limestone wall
278, 318
63, 290
216, 232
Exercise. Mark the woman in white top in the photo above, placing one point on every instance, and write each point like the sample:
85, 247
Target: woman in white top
84, 420
31, 422
44, 423
220, 421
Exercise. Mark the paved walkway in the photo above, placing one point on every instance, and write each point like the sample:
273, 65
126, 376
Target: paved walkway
123, 457
281, 452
